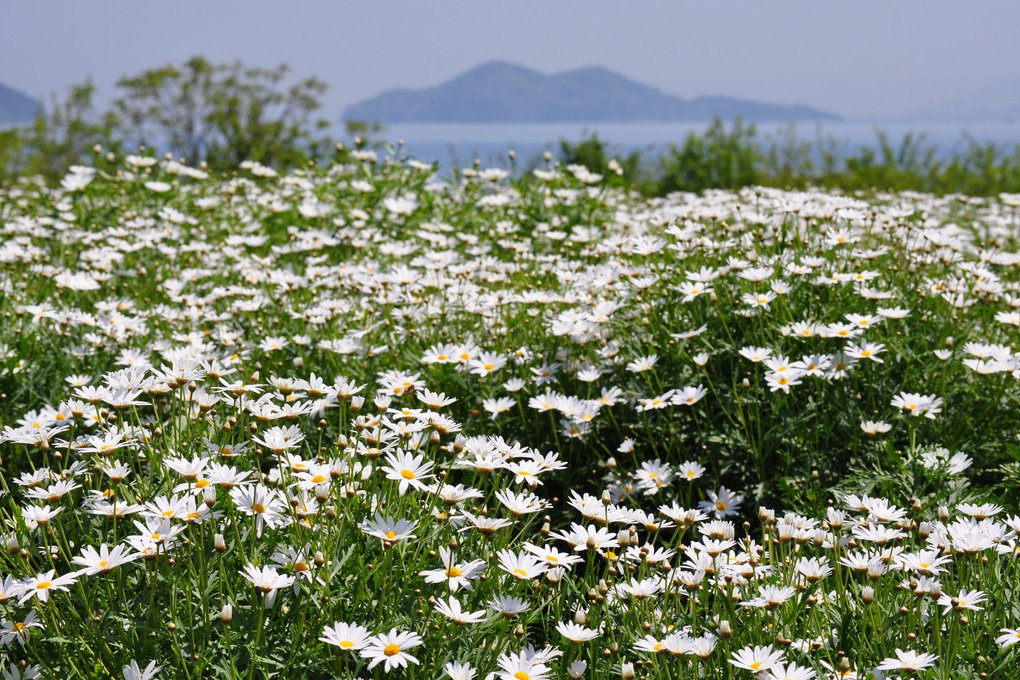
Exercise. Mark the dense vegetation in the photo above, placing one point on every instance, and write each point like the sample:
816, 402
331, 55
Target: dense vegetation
736, 155
215, 116
355, 418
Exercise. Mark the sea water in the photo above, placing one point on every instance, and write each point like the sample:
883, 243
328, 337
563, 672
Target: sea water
459, 145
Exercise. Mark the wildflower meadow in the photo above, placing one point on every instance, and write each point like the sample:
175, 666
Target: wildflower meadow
365, 420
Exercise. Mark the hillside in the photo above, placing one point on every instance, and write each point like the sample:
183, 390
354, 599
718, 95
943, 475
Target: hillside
499, 92
16, 107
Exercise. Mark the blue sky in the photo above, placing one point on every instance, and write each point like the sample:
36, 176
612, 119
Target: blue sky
862, 59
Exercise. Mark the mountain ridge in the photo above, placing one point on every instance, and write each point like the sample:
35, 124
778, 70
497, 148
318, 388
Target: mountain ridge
15, 106
502, 92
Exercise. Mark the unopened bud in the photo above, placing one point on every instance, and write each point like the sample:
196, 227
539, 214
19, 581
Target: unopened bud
576, 670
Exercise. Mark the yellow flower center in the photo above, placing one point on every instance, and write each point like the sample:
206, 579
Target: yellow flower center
391, 649
319, 479
391, 534
521, 573
258, 507
521, 675
43, 585
346, 644
756, 665
202, 483
407, 474
453, 572
720, 506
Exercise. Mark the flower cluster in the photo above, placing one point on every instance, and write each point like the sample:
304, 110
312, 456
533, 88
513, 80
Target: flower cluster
360, 419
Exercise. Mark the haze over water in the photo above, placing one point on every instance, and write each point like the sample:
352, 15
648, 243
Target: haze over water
459, 144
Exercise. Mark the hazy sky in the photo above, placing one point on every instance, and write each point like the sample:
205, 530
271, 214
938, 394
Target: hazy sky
864, 59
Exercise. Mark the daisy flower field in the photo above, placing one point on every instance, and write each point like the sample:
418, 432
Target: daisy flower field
363, 420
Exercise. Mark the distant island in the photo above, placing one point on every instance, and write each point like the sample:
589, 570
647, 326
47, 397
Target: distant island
498, 92
16, 107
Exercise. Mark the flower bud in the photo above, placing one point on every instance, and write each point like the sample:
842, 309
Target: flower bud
227, 613
577, 669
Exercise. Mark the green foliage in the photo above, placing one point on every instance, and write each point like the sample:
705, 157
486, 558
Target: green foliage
739, 156
595, 154
223, 114
66, 133
364, 132
217, 114
717, 159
